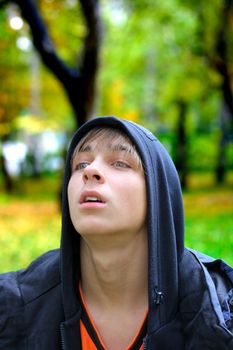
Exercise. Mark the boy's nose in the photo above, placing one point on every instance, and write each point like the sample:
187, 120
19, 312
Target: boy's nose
91, 173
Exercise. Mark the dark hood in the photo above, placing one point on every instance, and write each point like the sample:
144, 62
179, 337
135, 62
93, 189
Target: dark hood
164, 222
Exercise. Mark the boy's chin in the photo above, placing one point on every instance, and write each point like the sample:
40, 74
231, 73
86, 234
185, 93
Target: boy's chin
100, 231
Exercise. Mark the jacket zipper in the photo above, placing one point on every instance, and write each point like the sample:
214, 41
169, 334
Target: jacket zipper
62, 338
145, 343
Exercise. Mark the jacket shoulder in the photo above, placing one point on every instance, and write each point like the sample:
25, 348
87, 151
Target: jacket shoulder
220, 271
25, 285
206, 293
28, 297
41, 275
10, 294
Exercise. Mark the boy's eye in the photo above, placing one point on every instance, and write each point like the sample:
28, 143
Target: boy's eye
120, 164
81, 165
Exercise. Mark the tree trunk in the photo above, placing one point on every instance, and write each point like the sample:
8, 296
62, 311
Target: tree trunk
7, 180
220, 169
221, 60
181, 146
224, 118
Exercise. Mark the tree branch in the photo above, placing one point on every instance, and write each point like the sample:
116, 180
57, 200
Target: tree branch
90, 52
79, 83
90, 10
43, 43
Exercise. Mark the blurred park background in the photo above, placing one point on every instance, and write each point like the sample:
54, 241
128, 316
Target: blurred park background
165, 64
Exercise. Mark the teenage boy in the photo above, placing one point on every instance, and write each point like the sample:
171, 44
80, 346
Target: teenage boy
122, 278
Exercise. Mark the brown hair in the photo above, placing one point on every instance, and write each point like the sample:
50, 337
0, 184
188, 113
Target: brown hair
107, 133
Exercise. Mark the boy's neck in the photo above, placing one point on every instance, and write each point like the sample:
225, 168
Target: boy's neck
114, 285
114, 270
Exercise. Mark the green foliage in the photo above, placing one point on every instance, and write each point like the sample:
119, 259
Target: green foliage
152, 55
203, 148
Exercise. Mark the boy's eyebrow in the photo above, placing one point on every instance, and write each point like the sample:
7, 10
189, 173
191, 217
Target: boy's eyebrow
85, 148
112, 147
120, 147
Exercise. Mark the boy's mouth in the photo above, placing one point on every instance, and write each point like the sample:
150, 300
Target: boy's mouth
91, 197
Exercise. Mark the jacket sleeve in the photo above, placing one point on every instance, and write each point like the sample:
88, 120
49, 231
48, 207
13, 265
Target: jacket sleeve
11, 311
204, 286
222, 276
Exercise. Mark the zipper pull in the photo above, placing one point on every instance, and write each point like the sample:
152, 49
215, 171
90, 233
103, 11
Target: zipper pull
158, 296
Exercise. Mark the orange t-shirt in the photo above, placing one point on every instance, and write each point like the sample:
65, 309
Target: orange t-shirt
91, 339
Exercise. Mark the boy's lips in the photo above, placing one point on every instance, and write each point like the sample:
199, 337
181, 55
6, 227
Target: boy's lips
91, 197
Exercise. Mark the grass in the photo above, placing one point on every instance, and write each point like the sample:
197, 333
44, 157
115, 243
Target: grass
30, 220
209, 223
209, 216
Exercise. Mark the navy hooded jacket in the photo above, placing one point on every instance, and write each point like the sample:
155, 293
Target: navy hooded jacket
190, 295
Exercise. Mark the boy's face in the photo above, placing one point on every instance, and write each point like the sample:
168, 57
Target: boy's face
107, 191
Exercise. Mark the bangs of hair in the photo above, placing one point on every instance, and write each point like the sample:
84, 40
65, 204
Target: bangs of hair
104, 135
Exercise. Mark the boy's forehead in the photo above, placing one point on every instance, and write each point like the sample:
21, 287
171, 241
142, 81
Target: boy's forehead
115, 142
107, 145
